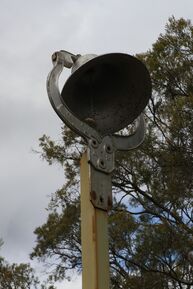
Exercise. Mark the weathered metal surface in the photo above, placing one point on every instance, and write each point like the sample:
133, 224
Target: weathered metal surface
101, 154
129, 142
100, 189
76, 112
111, 90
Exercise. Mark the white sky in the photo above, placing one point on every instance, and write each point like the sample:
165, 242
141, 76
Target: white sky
30, 32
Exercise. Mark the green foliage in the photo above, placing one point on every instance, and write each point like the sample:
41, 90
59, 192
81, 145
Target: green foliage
19, 276
150, 226
59, 237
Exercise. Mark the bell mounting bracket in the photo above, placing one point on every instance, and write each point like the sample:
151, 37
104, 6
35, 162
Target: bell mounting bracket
101, 149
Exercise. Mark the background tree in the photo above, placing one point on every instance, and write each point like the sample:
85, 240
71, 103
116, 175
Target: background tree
19, 276
150, 224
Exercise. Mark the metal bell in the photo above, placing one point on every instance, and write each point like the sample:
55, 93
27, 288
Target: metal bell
108, 92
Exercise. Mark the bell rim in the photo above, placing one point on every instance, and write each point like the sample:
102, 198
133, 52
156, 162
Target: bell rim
148, 89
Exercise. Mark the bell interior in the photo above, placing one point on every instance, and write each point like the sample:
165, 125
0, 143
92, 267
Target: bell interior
108, 92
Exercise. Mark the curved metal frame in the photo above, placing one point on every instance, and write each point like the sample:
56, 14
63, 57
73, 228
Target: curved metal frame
101, 150
63, 59
124, 143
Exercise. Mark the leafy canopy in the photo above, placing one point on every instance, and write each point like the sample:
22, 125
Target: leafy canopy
19, 276
150, 225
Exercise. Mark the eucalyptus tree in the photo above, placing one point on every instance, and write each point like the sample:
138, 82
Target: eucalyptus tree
150, 225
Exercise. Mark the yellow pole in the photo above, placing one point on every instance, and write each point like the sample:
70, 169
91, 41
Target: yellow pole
94, 236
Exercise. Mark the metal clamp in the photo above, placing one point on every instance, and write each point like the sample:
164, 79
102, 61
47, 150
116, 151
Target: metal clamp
101, 155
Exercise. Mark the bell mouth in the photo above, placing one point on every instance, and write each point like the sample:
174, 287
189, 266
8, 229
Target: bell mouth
108, 92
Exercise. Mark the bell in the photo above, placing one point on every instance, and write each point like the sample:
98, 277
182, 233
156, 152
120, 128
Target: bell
108, 92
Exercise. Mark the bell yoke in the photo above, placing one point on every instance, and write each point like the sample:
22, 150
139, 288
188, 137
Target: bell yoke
103, 95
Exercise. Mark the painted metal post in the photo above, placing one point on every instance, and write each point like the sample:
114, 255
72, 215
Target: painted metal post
94, 235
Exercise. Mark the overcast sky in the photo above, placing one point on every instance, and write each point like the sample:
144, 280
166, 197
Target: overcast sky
30, 32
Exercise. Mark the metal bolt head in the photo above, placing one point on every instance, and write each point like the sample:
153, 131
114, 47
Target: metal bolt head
94, 143
101, 163
108, 148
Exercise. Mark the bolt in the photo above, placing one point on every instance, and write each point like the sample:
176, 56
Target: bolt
94, 143
102, 163
108, 149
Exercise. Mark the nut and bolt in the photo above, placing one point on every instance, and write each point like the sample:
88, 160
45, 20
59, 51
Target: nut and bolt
101, 163
108, 148
94, 143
